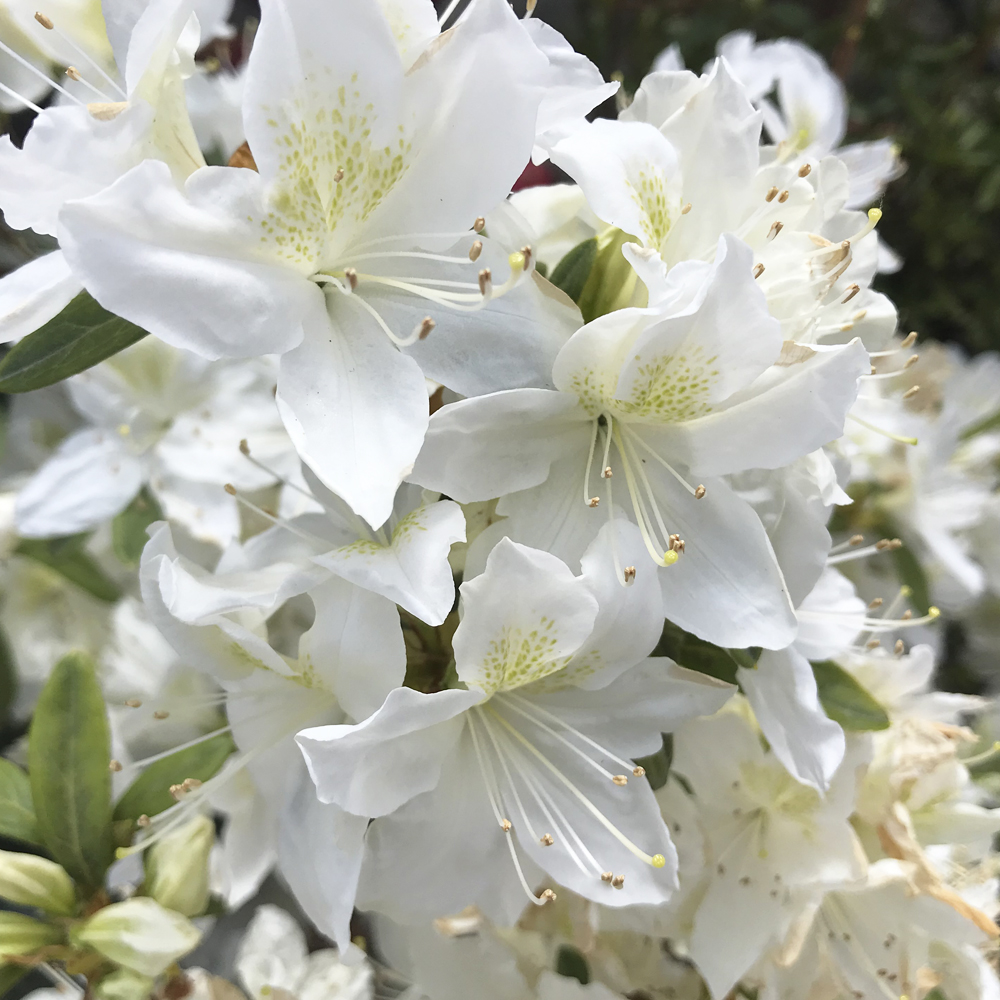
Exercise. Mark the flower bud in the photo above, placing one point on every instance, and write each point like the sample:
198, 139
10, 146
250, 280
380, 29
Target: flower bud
177, 868
20, 935
124, 985
139, 934
32, 881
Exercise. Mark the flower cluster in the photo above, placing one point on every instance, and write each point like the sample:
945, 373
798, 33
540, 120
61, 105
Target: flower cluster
524, 580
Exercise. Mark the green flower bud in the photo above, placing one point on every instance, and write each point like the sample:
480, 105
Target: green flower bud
21, 935
138, 934
32, 881
177, 868
124, 985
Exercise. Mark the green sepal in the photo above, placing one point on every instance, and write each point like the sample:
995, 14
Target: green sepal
150, 794
612, 280
128, 529
17, 814
81, 336
572, 272
571, 963
68, 557
845, 701
69, 756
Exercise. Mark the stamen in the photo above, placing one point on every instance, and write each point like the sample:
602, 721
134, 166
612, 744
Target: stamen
879, 430
699, 492
629, 574
908, 341
529, 8
115, 765
805, 170
634, 438
771, 194
899, 648
587, 498
686, 208
279, 522
245, 451
146, 761
607, 877
758, 270
480, 224
423, 329
39, 73
776, 228
852, 290
783, 197
17, 97
911, 392
49, 25
486, 282
475, 250
339, 175
448, 11
135, 703
352, 278
618, 881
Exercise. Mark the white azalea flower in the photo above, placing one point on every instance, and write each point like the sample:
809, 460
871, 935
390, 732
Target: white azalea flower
329, 255
164, 417
767, 836
521, 754
657, 397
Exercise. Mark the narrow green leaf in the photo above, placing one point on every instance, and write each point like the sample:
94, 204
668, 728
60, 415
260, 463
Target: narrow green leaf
82, 335
68, 557
17, 814
150, 794
910, 572
571, 963
990, 423
10, 976
69, 753
8, 678
572, 272
128, 529
846, 701
697, 654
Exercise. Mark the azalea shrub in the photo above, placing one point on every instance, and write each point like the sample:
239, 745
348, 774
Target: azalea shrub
422, 582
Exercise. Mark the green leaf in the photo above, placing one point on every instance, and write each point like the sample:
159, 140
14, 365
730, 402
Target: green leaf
571, 963
657, 765
68, 557
612, 279
10, 976
82, 335
910, 572
69, 753
697, 654
8, 678
150, 794
17, 814
572, 272
990, 423
846, 701
128, 529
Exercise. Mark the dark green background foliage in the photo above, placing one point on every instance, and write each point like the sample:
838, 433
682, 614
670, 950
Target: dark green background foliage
925, 72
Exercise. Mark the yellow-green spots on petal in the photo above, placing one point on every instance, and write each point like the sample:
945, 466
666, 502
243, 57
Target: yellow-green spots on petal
671, 387
517, 657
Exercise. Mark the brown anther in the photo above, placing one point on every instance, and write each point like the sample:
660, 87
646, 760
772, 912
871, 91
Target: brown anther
805, 170
339, 175
783, 197
161, 715
133, 703
594, 502
906, 615
526, 253
506, 825
425, 328
73, 73
876, 603
911, 361
230, 489
618, 881
629, 574
859, 316
607, 876
143, 821
244, 447
873, 643
771, 194
872, 370
776, 228
190, 784
909, 340
243, 158
882, 544
546, 840
115, 765
479, 225
911, 392
177, 792
548, 895
699, 492
485, 280
475, 250
352, 277
639, 771
899, 648
852, 290
758, 270
855, 539
686, 209
607, 473
45, 22
621, 780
